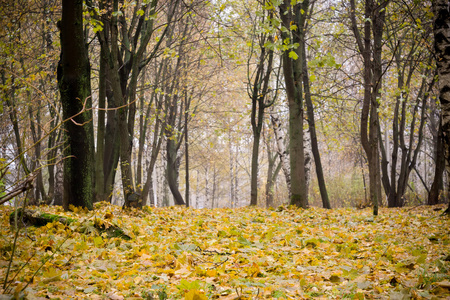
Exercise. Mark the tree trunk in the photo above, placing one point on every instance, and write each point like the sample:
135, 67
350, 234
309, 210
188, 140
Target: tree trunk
281, 150
214, 188
254, 171
272, 174
10, 102
172, 178
442, 50
437, 186
75, 89
53, 140
259, 94
186, 151
371, 54
206, 200
312, 132
59, 184
36, 135
293, 75
100, 193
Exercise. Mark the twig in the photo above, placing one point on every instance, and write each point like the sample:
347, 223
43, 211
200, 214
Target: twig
14, 244
17, 191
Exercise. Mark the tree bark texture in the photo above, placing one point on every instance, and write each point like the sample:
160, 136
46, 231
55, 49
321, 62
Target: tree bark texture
259, 94
442, 48
293, 74
370, 46
313, 135
281, 150
437, 185
75, 89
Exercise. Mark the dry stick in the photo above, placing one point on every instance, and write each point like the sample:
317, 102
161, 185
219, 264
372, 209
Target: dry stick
14, 244
17, 191
21, 268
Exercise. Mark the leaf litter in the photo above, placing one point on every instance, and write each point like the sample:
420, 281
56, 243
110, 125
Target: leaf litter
245, 253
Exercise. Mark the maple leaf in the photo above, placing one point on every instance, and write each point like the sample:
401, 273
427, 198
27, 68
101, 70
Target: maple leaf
199, 254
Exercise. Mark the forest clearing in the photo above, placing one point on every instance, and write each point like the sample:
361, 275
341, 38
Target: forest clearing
246, 253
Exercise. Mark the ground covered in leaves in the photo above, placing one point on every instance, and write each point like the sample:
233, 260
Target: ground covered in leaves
247, 253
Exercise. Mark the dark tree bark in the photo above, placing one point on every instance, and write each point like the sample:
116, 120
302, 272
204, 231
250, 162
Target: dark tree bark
10, 102
259, 93
187, 103
407, 132
75, 89
293, 75
158, 132
125, 41
312, 132
172, 171
442, 49
52, 143
37, 135
437, 185
370, 46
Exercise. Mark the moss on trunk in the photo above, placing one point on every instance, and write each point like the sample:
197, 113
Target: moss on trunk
28, 217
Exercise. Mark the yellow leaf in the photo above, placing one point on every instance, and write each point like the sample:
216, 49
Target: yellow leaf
108, 215
195, 295
98, 241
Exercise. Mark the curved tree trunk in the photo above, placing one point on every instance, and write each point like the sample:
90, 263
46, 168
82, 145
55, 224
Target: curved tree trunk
281, 150
172, 174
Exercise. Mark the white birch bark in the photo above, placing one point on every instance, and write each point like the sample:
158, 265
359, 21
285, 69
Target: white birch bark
308, 156
281, 149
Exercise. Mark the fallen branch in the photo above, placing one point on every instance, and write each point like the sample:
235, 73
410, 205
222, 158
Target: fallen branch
28, 217
17, 191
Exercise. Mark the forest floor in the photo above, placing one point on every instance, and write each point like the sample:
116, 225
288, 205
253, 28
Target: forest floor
246, 253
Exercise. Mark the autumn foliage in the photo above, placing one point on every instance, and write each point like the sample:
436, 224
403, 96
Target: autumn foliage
247, 253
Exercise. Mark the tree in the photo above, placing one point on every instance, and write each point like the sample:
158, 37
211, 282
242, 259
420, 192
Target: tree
124, 36
293, 18
411, 61
370, 46
259, 90
281, 148
439, 158
442, 47
75, 88
312, 131
273, 169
